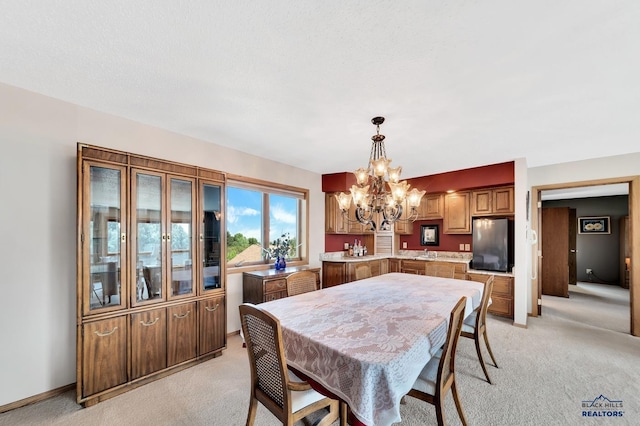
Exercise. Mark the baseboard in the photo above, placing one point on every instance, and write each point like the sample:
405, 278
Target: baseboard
37, 398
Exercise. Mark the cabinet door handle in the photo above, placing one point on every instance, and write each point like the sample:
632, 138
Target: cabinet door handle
148, 324
183, 315
106, 333
212, 309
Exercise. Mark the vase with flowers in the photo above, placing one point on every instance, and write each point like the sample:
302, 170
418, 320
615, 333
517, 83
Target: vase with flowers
279, 249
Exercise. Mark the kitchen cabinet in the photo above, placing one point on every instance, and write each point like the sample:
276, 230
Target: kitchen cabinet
340, 272
431, 207
457, 218
404, 226
335, 222
417, 266
492, 201
149, 250
501, 296
266, 285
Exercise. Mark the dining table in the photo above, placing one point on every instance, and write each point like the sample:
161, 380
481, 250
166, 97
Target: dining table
366, 342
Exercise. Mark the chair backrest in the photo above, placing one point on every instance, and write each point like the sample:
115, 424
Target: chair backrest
269, 379
447, 360
481, 318
301, 282
362, 271
439, 270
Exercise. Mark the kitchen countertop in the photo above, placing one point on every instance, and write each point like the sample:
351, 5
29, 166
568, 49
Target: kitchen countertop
410, 255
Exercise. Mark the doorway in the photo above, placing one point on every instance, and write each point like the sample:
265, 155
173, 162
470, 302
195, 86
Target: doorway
634, 223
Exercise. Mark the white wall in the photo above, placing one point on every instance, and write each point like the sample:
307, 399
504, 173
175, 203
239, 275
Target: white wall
38, 136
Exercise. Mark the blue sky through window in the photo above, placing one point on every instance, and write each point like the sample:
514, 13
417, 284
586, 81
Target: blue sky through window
244, 214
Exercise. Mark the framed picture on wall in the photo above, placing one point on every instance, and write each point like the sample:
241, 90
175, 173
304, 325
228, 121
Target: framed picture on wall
594, 225
429, 235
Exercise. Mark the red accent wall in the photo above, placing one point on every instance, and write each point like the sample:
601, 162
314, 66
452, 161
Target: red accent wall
448, 242
476, 177
334, 242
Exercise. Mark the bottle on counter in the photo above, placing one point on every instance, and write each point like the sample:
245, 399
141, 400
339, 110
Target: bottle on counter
364, 250
350, 250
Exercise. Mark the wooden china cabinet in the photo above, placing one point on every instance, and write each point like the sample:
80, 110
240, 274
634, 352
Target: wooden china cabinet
151, 296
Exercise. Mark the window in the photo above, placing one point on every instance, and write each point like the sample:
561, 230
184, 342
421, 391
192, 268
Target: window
260, 213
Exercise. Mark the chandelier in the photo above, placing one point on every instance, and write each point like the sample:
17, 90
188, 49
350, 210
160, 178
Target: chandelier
378, 190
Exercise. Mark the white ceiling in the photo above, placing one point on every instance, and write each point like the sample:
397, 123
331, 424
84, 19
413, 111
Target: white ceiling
461, 83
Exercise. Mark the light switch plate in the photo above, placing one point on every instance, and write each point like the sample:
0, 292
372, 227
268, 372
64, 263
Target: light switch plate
467, 247
404, 244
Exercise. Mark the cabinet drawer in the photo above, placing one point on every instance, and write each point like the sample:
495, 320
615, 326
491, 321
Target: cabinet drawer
275, 285
502, 286
501, 306
268, 297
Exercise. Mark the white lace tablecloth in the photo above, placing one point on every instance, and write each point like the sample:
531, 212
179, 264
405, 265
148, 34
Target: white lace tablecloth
368, 340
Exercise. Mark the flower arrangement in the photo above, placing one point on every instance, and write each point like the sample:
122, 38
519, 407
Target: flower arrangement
280, 247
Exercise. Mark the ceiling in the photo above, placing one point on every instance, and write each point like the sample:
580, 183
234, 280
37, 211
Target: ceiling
461, 83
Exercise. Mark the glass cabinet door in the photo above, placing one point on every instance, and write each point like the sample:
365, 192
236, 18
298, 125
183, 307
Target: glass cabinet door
211, 236
104, 237
180, 239
149, 236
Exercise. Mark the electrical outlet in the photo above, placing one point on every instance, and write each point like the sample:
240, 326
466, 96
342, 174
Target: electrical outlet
461, 247
467, 247
404, 244
589, 271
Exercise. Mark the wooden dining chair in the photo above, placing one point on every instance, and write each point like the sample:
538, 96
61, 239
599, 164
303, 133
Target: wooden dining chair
273, 385
362, 271
439, 270
301, 282
475, 325
438, 376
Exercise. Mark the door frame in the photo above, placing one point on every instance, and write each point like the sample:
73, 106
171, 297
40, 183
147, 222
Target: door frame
634, 224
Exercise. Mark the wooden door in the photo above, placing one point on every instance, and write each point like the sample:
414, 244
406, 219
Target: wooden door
555, 251
573, 266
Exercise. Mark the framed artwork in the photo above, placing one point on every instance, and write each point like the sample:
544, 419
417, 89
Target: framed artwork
429, 235
594, 225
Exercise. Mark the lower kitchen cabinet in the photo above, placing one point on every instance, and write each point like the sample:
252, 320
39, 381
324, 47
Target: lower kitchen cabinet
336, 273
501, 296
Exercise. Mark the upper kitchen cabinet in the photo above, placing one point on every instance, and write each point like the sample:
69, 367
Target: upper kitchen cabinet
333, 219
492, 201
457, 219
431, 207
403, 226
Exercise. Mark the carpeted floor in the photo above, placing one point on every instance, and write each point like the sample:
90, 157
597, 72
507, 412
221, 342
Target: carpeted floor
576, 351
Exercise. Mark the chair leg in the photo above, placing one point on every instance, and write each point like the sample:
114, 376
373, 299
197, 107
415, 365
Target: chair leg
253, 408
343, 413
331, 416
482, 364
486, 342
456, 399
439, 404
